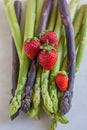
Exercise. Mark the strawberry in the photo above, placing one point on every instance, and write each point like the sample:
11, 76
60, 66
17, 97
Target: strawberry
62, 81
50, 38
32, 48
48, 59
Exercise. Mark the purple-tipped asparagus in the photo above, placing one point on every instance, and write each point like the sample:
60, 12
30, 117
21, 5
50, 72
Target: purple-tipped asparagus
26, 102
65, 103
15, 60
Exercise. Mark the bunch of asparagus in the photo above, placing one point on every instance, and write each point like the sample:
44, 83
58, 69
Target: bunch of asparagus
33, 87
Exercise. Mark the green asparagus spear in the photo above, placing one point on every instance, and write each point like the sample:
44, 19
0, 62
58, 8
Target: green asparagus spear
24, 64
82, 41
44, 90
14, 26
36, 93
34, 112
53, 16
39, 6
58, 25
73, 8
79, 17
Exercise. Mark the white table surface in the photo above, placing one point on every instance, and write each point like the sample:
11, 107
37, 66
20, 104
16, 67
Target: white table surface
78, 114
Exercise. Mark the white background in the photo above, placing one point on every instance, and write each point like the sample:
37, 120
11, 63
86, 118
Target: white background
78, 114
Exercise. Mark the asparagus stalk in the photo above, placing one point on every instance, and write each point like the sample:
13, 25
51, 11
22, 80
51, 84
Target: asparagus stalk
52, 88
79, 17
77, 27
39, 7
44, 91
42, 26
15, 29
36, 93
82, 41
65, 104
53, 16
26, 100
73, 6
15, 60
29, 31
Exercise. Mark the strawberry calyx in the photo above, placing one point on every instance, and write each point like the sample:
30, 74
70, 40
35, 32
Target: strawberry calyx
42, 33
31, 39
63, 73
47, 47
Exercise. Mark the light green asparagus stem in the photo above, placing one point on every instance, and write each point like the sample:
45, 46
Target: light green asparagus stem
14, 26
53, 16
78, 20
58, 26
24, 65
82, 41
38, 13
58, 118
73, 7
44, 90
36, 93
34, 112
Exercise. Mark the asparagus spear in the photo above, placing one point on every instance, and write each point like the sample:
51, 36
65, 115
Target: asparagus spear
15, 60
53, 16
26, 99
73, 6
39, 7
79, 17
82, 41
15, 29
36, 93
29, 31
65, 104
41, 28
77, 27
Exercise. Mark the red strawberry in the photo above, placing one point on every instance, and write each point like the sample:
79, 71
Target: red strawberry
48, 59
50, 37
32, 48
62, 82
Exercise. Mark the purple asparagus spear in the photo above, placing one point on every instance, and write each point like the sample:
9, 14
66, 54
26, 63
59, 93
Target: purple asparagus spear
26, 102
65, 103
15, 60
